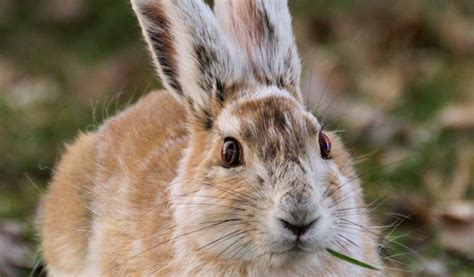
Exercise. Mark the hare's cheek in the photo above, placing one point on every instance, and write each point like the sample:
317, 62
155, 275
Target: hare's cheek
323, 227
345, 196
339, 192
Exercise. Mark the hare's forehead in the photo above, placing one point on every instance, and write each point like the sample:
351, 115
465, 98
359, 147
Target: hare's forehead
262, 112
274, 123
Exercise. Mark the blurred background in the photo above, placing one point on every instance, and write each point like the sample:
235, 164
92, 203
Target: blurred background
396, 78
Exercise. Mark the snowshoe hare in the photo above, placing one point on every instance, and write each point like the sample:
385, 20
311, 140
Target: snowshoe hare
223, 173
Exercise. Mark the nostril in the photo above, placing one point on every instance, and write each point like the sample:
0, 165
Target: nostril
298, 229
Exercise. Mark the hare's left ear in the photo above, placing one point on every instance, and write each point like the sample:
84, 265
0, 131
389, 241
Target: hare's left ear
192, 55
263, 29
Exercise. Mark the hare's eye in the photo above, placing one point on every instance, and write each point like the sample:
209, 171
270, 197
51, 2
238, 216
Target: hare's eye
324, 146
231, 154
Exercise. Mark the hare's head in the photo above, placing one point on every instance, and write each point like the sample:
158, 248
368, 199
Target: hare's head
260, 180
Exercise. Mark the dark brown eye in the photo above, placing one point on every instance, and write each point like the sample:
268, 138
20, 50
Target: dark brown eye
231, 154
324, 146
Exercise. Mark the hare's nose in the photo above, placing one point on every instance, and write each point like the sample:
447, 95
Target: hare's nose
298, 228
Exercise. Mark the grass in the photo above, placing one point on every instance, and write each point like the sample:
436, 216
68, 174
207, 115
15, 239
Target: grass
351, 260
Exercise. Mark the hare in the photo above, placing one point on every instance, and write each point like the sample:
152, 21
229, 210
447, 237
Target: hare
223, 173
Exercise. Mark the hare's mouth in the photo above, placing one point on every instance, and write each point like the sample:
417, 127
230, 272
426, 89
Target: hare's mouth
290, 255
298, 247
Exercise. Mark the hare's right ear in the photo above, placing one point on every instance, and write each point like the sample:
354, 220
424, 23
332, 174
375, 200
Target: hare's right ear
263, 29
191, 53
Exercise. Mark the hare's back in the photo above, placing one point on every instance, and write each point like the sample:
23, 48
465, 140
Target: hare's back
113, 175
142, 134
137, 158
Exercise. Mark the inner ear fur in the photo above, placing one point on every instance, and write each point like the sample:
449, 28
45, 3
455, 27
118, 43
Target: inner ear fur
263, 29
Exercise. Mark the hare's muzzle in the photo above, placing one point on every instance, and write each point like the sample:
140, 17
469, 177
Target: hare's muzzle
297, 212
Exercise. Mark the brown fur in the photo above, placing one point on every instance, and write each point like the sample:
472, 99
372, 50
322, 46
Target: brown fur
69, 197
78, 189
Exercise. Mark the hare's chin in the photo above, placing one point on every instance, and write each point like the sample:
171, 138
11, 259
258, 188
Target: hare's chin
296, 251
290, 256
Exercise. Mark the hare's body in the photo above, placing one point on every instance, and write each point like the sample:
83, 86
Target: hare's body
225, 173
108, 207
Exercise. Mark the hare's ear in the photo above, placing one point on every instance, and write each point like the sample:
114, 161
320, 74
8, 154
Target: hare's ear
191, 53
263, 29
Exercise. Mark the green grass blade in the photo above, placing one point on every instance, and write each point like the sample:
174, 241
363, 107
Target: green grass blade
350, 259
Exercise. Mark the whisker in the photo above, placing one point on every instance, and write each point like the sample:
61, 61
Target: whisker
348, 240
243, 201
243, 246
209, 204
237, 232
229, 246
384, 238
169, 240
